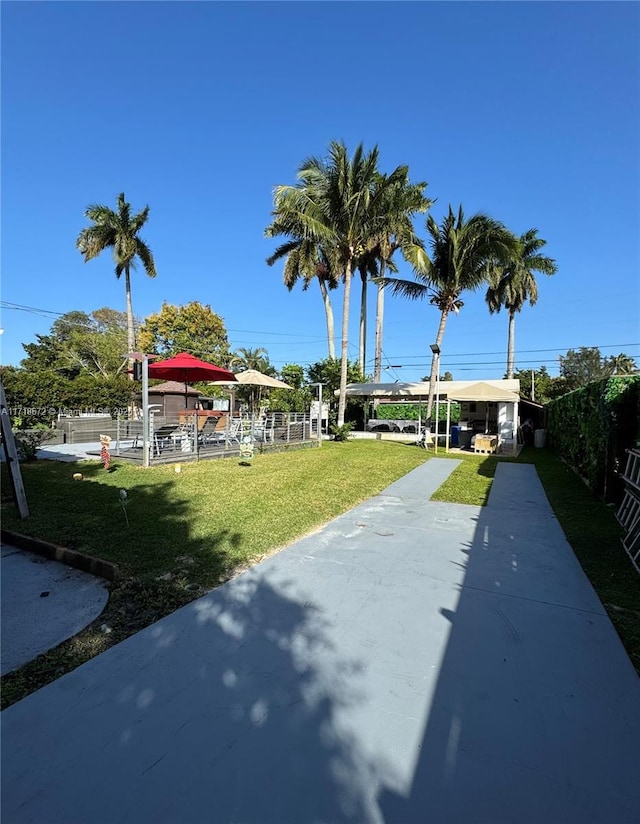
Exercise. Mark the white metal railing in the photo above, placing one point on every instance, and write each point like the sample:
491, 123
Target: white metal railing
188, 435
628, 514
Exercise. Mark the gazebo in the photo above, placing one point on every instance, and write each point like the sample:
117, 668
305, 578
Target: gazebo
490, 404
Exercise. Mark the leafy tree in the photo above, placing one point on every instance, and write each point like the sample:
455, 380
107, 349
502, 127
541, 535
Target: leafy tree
328, 373
513, 283
340, 203
118, 230
293, 374
581, 366
98, 347
81, 343
46, 354
297, 399
545, 387
461, 250
192, 327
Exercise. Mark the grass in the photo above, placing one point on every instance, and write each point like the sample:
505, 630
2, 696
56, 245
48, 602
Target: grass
469, 483
191, 531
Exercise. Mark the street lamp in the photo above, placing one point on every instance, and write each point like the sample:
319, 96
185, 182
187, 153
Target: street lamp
436, 361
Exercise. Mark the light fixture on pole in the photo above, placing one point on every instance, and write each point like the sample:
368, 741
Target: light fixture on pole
436, 362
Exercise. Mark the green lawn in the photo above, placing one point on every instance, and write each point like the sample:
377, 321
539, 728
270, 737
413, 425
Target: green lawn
188, 532
211, 517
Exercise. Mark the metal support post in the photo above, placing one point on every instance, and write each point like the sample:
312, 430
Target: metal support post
145, 411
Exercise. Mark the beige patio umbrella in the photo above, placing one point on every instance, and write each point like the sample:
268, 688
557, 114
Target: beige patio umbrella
251, 377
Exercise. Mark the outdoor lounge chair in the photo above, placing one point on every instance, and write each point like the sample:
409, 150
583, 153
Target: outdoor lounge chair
166, 435
210, 434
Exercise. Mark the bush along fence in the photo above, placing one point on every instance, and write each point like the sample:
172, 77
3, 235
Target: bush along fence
593, 427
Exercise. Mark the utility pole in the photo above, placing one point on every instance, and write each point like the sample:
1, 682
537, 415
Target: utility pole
533, 385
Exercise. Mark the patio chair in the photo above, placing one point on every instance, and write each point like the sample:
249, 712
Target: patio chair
166, 435
210, 434
161, 436
234, 431
264, 430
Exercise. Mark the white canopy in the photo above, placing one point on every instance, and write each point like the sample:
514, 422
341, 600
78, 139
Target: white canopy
384, 390
499, 390
483, 391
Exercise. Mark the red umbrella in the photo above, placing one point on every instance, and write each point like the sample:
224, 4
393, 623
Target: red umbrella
187, 369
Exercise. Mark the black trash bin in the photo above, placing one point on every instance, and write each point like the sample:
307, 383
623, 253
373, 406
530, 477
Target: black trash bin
455, 435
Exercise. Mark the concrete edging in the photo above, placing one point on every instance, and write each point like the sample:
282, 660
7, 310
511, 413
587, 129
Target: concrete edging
71, 557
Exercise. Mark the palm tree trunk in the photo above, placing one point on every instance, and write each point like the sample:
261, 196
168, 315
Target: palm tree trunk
131, 332
328, 311
435, 362
377, 369
362, 343
342, 395
511, 344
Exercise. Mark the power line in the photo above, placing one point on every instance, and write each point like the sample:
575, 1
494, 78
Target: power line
46, 312
527, 351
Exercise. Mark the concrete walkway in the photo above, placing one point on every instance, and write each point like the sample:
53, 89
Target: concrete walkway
410, 662
43, 603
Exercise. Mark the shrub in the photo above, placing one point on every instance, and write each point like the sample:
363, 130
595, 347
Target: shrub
341, 433
28, 441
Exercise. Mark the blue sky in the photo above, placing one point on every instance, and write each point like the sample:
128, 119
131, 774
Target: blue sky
527, 111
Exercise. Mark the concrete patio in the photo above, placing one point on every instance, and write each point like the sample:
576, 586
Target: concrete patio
412, 661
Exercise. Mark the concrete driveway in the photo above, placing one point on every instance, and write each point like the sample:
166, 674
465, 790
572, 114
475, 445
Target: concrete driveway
410, 662
43, 603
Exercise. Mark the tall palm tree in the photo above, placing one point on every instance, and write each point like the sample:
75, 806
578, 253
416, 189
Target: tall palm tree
306, 259
461, 250
404, 201
513, 283
118, 230
339, 202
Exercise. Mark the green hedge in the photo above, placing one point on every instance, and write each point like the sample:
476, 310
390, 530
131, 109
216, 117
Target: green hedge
591, 428
410, 411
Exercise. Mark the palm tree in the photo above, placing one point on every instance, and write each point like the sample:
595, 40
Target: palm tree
405, 200
257, 359
461, 251
308, 260
338, 202
514, 282
119, 231
621, 365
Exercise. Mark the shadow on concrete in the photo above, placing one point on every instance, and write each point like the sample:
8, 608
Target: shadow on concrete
234, 709
534, 716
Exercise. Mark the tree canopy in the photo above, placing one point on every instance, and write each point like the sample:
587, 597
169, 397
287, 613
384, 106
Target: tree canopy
193, 327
